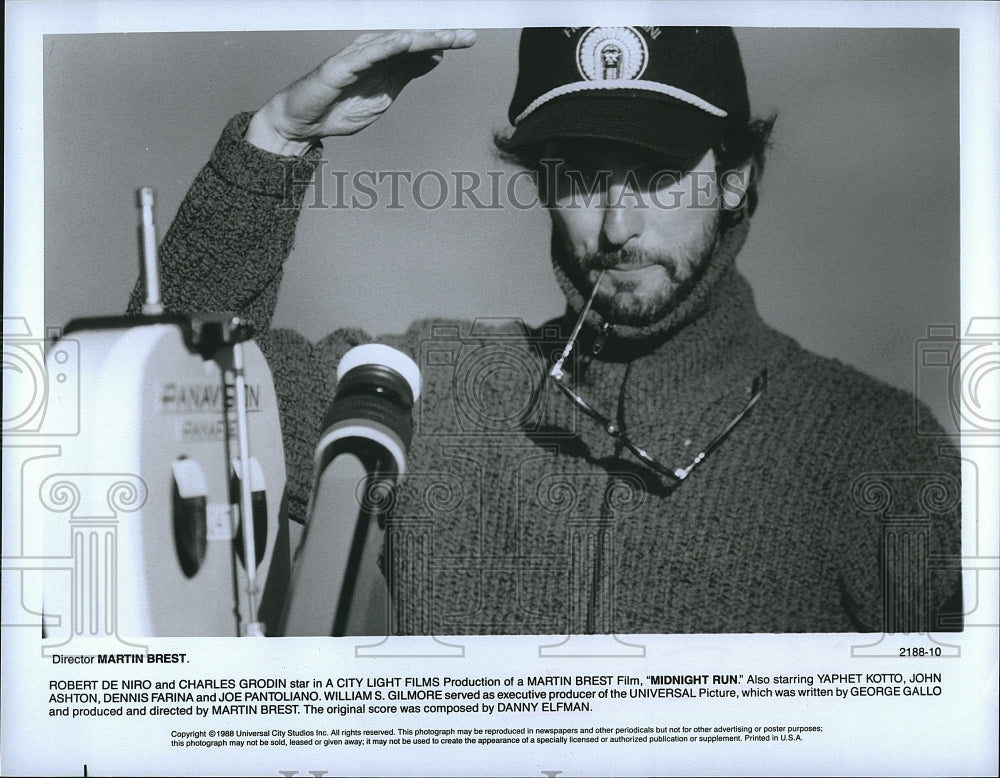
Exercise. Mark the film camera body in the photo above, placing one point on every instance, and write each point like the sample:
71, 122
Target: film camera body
162, 514
166, 514
146, 506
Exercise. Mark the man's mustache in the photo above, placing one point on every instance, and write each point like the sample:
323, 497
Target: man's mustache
627, 259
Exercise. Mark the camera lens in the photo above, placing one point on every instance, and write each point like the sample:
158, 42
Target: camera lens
374, 393
370, 415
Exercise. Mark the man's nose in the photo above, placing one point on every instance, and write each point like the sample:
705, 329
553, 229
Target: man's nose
622, 219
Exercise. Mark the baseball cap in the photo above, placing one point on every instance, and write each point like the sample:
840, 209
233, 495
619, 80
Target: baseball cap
673, 90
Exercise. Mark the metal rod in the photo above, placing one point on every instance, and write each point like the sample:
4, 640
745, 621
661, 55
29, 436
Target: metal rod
253, 627
152, 305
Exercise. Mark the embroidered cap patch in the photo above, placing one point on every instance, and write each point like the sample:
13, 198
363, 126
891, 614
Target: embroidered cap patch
611, 53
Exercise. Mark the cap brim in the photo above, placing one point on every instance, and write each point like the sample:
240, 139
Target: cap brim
666, 126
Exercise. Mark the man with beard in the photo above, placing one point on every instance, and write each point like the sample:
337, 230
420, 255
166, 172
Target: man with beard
658, 459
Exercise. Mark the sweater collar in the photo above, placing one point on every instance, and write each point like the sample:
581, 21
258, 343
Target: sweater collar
698, 360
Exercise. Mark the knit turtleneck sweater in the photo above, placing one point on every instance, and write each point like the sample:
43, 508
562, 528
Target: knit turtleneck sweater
521, 515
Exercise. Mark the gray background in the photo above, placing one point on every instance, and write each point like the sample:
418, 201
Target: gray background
854, 250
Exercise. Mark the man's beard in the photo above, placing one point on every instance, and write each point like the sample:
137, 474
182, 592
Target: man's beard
617, 301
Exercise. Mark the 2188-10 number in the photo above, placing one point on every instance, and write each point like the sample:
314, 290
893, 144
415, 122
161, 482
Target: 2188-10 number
920, 651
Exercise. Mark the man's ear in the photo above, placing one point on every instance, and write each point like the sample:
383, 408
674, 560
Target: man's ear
734, 187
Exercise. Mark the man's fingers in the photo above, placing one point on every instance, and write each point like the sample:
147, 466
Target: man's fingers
366, 53
373, 50
363, 54
369, 73
428, 40
424, 40
413, 66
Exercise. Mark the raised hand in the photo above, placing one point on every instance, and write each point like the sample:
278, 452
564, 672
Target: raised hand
351, 89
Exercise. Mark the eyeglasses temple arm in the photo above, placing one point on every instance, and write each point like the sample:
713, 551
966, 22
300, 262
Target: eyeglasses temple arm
756, 390
557, 372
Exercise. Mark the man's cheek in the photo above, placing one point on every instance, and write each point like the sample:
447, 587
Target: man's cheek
578, 230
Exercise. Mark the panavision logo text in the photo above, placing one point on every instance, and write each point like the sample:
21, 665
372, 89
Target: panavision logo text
202, 398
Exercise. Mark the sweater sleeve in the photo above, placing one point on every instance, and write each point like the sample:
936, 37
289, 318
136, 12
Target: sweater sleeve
907, 508
225, 249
